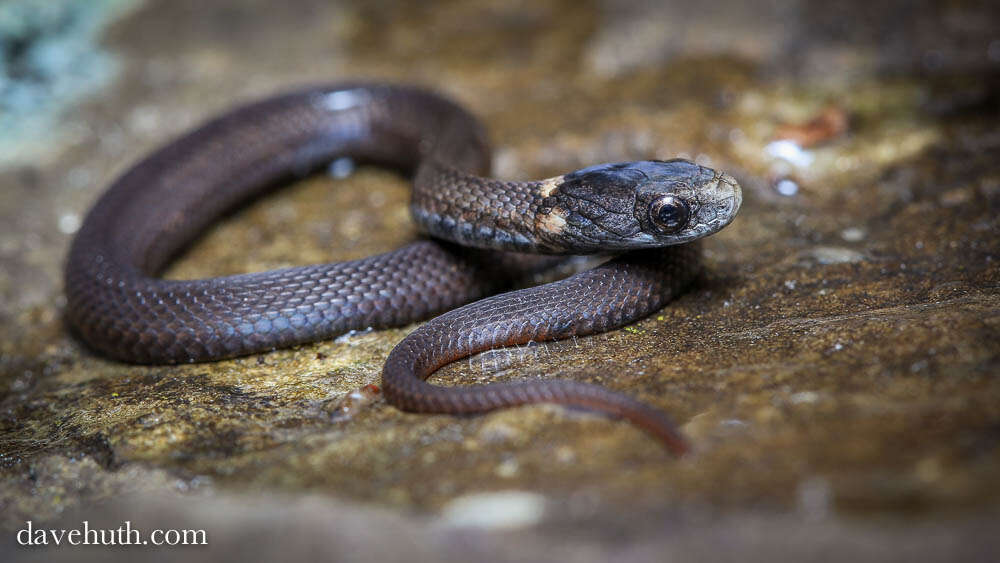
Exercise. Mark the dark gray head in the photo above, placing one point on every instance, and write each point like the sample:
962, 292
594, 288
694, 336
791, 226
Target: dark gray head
635, 205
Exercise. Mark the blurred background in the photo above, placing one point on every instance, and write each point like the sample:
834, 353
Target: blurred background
836, 367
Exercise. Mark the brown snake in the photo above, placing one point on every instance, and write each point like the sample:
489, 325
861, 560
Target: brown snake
646, 209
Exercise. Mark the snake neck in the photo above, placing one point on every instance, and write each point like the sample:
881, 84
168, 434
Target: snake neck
484, 212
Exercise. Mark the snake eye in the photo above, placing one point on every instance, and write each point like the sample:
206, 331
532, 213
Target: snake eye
669, 213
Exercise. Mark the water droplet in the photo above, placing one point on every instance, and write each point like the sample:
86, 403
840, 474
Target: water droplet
69, 223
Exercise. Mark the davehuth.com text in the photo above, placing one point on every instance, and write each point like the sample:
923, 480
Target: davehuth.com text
122, 535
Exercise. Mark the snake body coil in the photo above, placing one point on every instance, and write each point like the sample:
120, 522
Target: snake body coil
118, 306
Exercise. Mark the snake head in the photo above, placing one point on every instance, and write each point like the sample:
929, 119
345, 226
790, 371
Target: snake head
638, 204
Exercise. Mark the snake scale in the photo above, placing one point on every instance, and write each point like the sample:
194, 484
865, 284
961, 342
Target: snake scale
651, 212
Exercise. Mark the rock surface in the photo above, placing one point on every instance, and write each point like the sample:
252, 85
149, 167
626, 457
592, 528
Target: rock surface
837, 367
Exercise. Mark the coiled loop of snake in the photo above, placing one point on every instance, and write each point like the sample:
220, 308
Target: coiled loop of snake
118, 305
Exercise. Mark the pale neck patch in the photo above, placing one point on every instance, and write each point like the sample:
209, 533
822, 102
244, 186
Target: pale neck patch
551, 223
547, 186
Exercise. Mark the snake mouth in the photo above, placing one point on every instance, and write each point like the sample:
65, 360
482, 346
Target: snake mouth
728, 196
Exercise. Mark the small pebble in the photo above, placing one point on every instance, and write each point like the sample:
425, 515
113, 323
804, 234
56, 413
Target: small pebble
814, 498
835, 255
69, 223
341, 168
786, 187
853, 234
499, 510
789, 151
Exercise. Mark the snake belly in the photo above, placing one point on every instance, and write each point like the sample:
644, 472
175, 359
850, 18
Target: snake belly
119, 306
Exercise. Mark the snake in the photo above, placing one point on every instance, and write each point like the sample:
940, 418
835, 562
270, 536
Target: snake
479, 235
